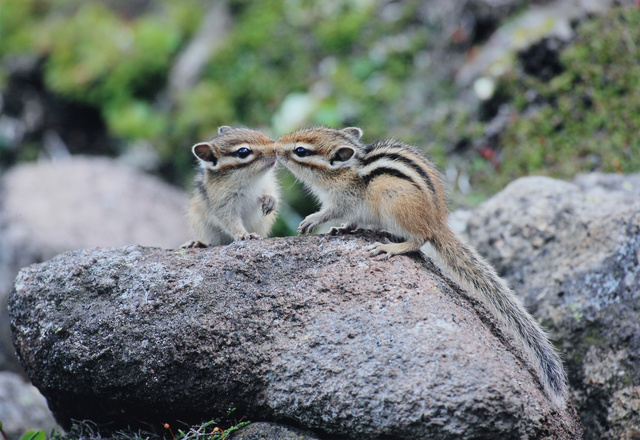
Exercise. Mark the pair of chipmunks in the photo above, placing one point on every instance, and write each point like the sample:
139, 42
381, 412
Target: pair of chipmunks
386, 185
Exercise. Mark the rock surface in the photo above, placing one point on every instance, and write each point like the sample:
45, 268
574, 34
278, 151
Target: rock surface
22, 407
305, 330
49, 208
265, 430
572, 251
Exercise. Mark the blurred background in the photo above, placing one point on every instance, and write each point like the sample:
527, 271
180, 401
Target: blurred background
491, 90
100, 102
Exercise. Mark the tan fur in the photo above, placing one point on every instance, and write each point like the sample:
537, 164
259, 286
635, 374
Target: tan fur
392, 186
235, 197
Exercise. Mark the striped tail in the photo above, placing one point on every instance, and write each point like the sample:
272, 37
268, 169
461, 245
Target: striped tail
495, 294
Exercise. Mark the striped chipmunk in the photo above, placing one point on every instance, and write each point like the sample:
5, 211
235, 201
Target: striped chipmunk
392, 186
236, 190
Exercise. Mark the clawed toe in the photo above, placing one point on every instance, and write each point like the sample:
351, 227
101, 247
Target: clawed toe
306, 228
374, 249
268, 204
249, 236
193, 244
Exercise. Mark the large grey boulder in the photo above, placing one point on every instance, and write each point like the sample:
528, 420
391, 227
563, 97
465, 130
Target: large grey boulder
572, 251
47, 208
307, 330
52, 207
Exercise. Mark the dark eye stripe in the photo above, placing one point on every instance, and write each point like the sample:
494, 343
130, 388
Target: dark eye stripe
393, 156
235, 153
313, 165
237, 166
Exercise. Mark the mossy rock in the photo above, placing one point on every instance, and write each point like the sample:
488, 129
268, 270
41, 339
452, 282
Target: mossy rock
585, 118
590, 118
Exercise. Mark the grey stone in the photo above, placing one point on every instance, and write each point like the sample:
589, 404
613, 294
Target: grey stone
22, 407
271, 431
572, 251
49, 208
307, 330
612, 182
83, 202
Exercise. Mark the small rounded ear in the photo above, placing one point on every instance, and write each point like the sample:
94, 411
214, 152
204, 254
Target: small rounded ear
204, 152
353, 131
224, 129
342, 155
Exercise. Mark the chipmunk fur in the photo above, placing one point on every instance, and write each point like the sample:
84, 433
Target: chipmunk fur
392, 186
236, 191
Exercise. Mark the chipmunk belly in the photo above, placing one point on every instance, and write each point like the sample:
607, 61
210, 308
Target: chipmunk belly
252, 214
255, 221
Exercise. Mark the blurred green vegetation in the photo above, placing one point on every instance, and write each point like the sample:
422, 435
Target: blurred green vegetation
591, 116
346, 62
120, 64
335, 63
587, 118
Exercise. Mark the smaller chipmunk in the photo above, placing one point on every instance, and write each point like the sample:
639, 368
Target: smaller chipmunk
236, 191
392, 186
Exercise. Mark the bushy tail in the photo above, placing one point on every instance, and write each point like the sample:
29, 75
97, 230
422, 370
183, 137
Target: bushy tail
494, 292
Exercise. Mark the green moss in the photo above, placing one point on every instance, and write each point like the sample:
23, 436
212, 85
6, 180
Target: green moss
20, 25
587, 118
591, 118
216, 429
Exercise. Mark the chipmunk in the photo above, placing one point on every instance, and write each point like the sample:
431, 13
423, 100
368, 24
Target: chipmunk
236, 191
392, 186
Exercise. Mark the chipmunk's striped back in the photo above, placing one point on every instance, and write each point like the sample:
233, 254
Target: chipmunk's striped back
392, 186
402, 161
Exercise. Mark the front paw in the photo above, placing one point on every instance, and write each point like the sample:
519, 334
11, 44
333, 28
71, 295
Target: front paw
248, 236
377, 251
308, 224
268, 204
193, 244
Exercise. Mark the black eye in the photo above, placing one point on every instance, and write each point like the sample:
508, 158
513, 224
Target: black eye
301, 152
243, 152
